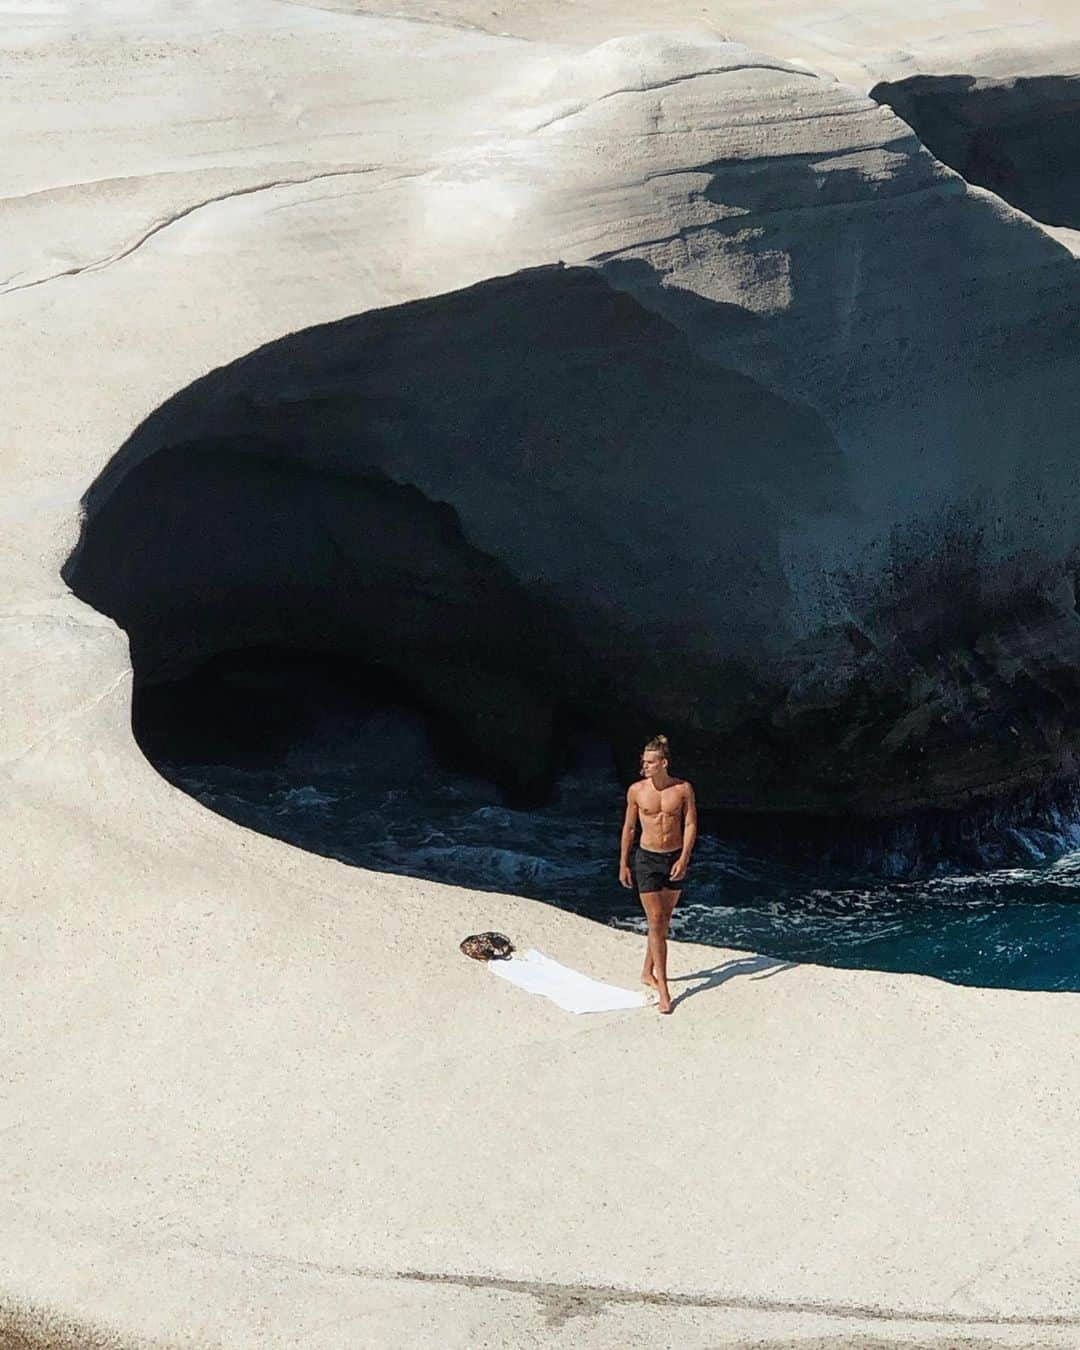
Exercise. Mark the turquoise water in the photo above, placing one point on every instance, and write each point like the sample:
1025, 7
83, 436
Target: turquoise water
373, 794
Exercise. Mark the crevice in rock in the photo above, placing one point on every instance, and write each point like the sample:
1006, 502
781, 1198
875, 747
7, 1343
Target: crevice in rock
99, 263
1018, 138
647, 88
561, 1301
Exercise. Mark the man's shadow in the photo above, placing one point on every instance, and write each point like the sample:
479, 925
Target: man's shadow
755, 967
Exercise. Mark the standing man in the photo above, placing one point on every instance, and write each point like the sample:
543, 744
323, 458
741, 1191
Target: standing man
667, 812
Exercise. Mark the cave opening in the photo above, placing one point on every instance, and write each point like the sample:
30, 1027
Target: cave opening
339, 756
296, 714
398, 613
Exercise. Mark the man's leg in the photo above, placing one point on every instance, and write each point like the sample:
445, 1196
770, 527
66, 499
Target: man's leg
647, 976
658, 912
653, 907
668, 900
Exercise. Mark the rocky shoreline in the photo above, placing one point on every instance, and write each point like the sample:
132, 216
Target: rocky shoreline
255, 1097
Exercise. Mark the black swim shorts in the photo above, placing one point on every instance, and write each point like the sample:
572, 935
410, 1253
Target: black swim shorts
651, 870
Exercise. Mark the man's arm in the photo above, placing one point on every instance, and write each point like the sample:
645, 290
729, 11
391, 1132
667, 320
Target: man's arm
689, 834
629, 829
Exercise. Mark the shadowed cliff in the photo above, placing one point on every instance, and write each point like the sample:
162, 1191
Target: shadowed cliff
532, 499
523, 498
1019, 138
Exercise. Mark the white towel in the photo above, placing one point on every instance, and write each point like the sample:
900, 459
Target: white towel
571, 990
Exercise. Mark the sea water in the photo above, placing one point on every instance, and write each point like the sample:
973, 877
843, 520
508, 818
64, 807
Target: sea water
374, 795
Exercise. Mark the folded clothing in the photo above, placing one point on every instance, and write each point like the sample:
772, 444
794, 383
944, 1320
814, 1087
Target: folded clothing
570, 989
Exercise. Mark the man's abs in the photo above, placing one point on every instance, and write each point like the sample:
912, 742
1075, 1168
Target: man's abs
661, 831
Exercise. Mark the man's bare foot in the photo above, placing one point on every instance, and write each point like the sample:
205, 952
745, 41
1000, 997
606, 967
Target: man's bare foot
664, 1004
647, 977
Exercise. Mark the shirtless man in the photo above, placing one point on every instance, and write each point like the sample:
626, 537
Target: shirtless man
667, 811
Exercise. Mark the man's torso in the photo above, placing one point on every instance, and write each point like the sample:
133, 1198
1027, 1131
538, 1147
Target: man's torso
660, 811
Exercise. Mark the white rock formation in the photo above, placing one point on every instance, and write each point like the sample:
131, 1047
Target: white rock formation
258, 1098
844, 396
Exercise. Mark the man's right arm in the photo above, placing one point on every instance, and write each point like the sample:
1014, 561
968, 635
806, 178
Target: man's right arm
629, 829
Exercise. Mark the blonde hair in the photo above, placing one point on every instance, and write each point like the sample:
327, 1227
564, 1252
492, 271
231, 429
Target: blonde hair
661, 745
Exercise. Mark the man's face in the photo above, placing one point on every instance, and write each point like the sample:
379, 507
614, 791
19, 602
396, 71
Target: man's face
652, 763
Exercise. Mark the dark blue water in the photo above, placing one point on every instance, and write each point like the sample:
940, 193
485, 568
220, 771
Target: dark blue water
372, 794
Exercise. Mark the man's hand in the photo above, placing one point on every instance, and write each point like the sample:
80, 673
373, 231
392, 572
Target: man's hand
678, 869
624, 876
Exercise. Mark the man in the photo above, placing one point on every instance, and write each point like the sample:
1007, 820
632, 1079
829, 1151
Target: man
667, 812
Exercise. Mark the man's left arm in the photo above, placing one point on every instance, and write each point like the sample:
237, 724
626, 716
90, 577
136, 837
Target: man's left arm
689, 837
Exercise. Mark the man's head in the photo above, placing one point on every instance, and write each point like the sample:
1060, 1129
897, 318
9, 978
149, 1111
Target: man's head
654, 758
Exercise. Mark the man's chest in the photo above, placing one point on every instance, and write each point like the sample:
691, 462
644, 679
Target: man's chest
654, 803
